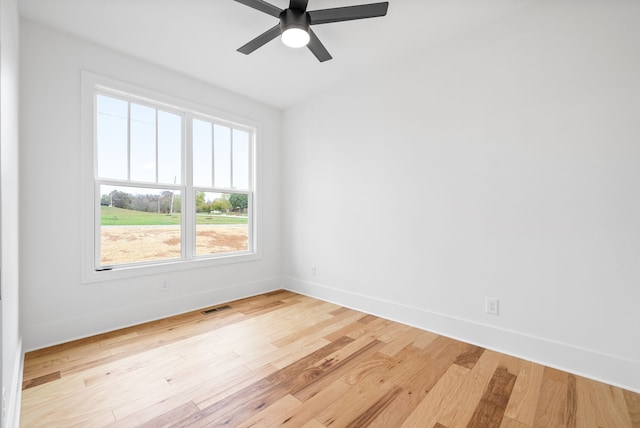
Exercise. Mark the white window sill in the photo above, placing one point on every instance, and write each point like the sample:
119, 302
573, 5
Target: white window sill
132, 271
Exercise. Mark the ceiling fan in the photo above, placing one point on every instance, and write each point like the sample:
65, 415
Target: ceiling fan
295, 22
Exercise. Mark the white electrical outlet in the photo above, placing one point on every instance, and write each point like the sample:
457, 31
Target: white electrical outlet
492, 306
313, 271
164, 286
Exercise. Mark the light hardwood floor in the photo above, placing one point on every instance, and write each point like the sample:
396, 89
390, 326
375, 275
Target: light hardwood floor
282, 359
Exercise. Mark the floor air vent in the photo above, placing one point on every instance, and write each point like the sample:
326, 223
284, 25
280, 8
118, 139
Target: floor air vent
213, 310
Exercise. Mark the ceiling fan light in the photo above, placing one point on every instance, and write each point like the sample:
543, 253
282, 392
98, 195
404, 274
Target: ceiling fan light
295, 37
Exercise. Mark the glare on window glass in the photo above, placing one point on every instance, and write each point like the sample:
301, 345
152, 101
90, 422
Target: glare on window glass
111, 136
169, 147
222, 156
240, 159
202, 174
143, 143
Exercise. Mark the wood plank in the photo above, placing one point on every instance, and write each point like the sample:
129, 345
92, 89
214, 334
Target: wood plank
469, 358
211, 391
551, 404
285, 356
424, 339
507, 422
272, 415
633, 407
490, 410
44, 365
431, 408
460, 409
375, 363
309, 409
175, 414
359, 329
341, 310
368, 318
612, 405
400, 341
601, 405
313, 424
267, 307
360, 406
40, 380
571, 405
338, 321
101, 419
141, 416
345, 330
526, 392
190, 370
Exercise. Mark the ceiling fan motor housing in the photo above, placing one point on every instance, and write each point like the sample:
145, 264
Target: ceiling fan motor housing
294, 18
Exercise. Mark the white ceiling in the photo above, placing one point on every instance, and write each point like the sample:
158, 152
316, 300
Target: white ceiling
199, 38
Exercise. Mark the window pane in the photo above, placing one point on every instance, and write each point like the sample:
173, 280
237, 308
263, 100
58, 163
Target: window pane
240, 159
221, 223
202, 153
222, 156
169, 148
143, 143
111, 136
139, 224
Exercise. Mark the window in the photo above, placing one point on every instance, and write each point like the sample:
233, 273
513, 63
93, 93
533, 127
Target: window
172, 184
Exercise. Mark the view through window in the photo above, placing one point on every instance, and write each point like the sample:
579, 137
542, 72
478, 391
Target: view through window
171, 184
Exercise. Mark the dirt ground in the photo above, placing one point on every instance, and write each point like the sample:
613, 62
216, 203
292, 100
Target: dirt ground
123, 244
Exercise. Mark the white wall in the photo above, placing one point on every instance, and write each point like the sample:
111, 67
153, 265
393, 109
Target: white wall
57, 307
9, 184
505, 163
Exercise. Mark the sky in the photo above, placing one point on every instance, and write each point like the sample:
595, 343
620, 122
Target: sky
143, 144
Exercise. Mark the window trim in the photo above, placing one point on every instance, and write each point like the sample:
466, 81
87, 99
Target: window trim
91, 84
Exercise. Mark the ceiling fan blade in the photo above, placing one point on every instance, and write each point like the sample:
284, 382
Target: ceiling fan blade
262, 6
317, 48
348, 13
261, 40
298, 4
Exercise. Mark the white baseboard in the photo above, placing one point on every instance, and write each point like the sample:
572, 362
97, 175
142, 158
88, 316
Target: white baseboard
583, 362
12, 419
53, 333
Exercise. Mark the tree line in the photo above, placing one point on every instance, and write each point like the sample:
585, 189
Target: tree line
235, 202
168, 202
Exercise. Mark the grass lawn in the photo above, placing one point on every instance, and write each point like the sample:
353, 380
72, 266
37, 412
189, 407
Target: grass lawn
112, 216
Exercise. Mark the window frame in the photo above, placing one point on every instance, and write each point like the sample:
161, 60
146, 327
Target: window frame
94, 84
